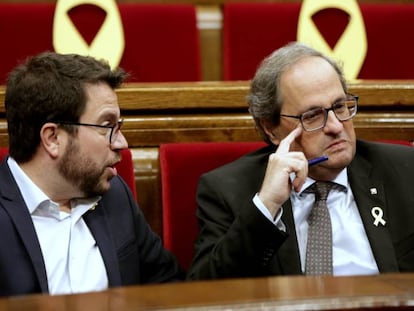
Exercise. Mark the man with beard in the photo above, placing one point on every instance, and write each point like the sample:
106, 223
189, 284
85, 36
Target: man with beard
68, 223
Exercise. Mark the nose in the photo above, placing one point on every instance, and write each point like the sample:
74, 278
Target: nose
119, 142
333, 125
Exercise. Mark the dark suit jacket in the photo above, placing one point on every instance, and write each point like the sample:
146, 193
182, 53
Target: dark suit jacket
236, 240
131, 251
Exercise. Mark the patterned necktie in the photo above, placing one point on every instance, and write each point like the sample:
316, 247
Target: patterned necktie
319, 247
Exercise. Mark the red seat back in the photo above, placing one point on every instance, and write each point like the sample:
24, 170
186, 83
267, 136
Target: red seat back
161, 41
125, 167
251, 31
181, 165
25, 30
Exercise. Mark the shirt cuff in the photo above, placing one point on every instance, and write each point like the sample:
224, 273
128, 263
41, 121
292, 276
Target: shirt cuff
277, 220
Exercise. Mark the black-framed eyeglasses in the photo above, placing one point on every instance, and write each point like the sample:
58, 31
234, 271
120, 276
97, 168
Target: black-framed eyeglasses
114, 128
315, 119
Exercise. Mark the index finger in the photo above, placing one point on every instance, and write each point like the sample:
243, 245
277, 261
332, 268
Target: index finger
285, 143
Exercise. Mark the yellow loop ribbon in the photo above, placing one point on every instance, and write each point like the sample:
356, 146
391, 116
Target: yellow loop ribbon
109, 42
351, 47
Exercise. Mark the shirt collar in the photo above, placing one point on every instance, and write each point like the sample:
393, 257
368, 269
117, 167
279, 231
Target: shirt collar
341, 179
37, 200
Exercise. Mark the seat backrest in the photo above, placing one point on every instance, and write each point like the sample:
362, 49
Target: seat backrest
24, 30
181, 165
4, 151
251, 31
125, 168
161, 41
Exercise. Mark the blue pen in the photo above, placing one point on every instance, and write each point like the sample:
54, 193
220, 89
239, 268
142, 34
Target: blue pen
317, 160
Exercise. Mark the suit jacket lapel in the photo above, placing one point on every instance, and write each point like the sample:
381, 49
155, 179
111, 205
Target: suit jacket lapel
369, 193
97, 222
15, 206
288, 254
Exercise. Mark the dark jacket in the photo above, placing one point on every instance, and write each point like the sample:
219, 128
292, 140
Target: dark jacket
131, 251
236, 240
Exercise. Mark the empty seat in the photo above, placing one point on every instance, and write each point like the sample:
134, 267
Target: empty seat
251, 31
161, 41
181, 165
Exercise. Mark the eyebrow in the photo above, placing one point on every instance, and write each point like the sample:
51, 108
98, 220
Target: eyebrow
108, 116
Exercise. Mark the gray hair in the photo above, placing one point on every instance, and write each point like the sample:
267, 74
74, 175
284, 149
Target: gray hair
265, 98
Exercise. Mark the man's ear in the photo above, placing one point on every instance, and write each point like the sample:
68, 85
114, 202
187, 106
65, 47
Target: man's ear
271, 132
49, 137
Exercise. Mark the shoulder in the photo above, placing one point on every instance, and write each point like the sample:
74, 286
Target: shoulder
383, 149
384, 156
247, 163
237, 178
119, 195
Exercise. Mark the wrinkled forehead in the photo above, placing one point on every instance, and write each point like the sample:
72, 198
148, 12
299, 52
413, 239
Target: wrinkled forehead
311, 82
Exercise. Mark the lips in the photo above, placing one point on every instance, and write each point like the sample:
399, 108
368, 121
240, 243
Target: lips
337, 145
113, 170
112, 167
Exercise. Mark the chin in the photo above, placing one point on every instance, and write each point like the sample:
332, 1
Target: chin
340, 163
101, 188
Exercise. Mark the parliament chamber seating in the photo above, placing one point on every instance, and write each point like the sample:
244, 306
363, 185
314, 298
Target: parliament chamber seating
253, 30
181, 165
125, 168
161, 41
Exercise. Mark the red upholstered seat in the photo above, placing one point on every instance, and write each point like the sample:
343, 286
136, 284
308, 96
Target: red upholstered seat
251, 31
24, 30
181, 165
4, 151
161, 41
125, 167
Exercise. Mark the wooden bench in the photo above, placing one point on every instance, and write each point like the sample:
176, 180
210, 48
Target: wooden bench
216, 111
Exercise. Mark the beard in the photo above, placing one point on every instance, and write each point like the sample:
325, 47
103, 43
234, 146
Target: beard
82, 171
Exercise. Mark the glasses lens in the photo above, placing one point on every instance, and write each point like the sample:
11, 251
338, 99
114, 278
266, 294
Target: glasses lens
313, 119
115, 131
345, 109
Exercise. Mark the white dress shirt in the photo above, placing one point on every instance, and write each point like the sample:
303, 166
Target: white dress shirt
352, 253
73, 261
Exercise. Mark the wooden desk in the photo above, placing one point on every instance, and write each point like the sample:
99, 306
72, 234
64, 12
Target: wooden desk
382, 292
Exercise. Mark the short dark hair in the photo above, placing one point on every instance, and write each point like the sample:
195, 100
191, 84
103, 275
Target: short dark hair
46, 87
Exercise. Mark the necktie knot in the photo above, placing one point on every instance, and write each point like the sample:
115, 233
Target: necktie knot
322, 189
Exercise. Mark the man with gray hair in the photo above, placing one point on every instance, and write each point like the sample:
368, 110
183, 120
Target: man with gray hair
315, 200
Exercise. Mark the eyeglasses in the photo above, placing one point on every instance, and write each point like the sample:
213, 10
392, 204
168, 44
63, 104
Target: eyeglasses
114, 128
316, 118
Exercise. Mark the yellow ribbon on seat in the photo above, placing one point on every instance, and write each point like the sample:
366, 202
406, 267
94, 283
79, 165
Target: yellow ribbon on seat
109, 42
351, 48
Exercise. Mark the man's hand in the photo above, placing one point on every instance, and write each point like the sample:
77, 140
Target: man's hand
277, 185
